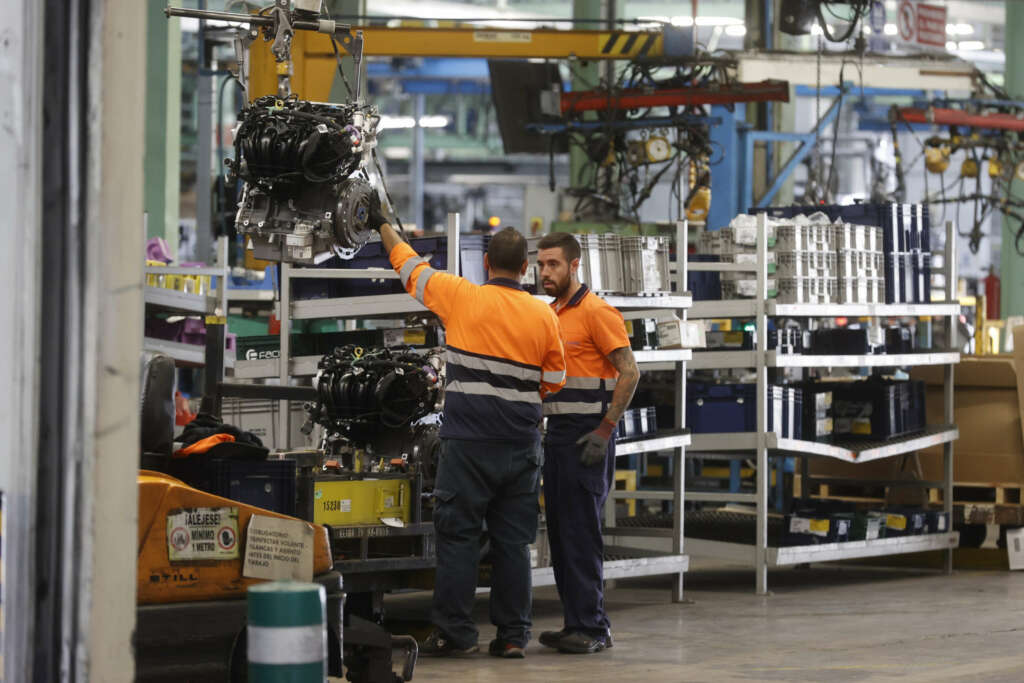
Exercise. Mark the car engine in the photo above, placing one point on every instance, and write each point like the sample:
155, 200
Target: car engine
306, 178
378, 408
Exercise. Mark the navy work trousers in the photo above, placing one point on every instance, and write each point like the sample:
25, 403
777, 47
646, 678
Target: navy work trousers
497, 482
574, 497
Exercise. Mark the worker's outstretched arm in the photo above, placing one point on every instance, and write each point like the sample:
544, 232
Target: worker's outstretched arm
389, 237
437, 290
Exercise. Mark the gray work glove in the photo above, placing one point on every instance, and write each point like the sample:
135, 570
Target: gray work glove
594, 445
375, 214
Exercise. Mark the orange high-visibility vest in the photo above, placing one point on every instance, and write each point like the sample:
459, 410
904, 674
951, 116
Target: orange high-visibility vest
503, 350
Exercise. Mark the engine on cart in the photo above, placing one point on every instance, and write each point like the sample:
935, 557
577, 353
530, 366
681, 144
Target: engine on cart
375, 406
306, 185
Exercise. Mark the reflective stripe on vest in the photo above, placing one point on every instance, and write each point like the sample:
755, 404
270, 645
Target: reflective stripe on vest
493, 366
406, 272
572, 408
554, 377
421, 283
581, 396
590, 383
485, 389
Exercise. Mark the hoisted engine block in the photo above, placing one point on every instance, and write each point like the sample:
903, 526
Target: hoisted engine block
306, 185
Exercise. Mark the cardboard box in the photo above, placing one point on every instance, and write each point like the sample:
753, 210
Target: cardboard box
1015, 548
681, 334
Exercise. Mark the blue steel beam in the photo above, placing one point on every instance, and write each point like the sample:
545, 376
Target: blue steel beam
875, 118
725, 191
852, 88
806, 142
435, 76
427, 87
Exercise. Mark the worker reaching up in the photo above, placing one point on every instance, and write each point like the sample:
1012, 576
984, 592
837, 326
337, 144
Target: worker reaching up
579, 451
504, 354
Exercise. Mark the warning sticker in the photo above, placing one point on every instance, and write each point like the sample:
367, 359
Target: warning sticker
202, 534
804, 525
410, 336
502, 36
278, 549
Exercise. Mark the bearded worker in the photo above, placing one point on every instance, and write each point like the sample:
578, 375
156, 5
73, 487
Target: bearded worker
579, 448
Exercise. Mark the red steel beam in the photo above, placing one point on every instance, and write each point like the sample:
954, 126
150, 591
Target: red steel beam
957, 117
642, 98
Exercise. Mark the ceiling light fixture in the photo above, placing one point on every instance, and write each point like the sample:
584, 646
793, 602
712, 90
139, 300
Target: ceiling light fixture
398, 122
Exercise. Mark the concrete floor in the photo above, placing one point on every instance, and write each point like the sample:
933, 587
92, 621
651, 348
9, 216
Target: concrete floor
827, 623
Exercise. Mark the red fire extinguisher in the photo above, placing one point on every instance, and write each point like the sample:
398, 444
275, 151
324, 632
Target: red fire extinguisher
992, 308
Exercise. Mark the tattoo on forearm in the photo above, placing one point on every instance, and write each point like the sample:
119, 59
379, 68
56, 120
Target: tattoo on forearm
629, 377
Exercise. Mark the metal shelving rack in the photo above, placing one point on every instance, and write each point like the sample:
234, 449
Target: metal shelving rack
620, 561
766, 444
189, 355
188, 304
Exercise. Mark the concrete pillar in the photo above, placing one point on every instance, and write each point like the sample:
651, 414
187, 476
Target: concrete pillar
162, 160
110, 360
1011, 264
585, 76
21, 88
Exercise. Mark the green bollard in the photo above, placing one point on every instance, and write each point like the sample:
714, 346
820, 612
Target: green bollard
287, 635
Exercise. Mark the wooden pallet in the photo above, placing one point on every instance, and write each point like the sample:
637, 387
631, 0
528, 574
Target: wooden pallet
973, 502
990, 513
852, 492
981, 493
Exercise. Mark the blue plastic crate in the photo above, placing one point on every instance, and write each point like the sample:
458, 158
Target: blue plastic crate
720, 408
268, 484
704, 285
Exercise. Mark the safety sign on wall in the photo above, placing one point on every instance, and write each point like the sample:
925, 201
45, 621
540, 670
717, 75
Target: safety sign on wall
921, 24
202, 534
278, 549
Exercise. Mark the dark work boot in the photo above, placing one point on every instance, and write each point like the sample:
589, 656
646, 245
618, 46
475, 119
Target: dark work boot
579, 643
438, 645
551, 638
506, 649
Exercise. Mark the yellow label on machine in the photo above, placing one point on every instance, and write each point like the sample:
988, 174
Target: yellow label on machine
898, 522
629, 328
819, 526
415, 336
363, 501
861, 427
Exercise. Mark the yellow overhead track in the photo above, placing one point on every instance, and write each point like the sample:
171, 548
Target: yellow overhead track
498, 43
315, 63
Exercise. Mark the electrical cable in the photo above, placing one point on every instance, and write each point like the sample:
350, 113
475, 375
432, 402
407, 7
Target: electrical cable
835, 135
860, 7
337, 55
387, 194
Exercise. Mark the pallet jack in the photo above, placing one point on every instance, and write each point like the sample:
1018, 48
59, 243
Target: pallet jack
191, 614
